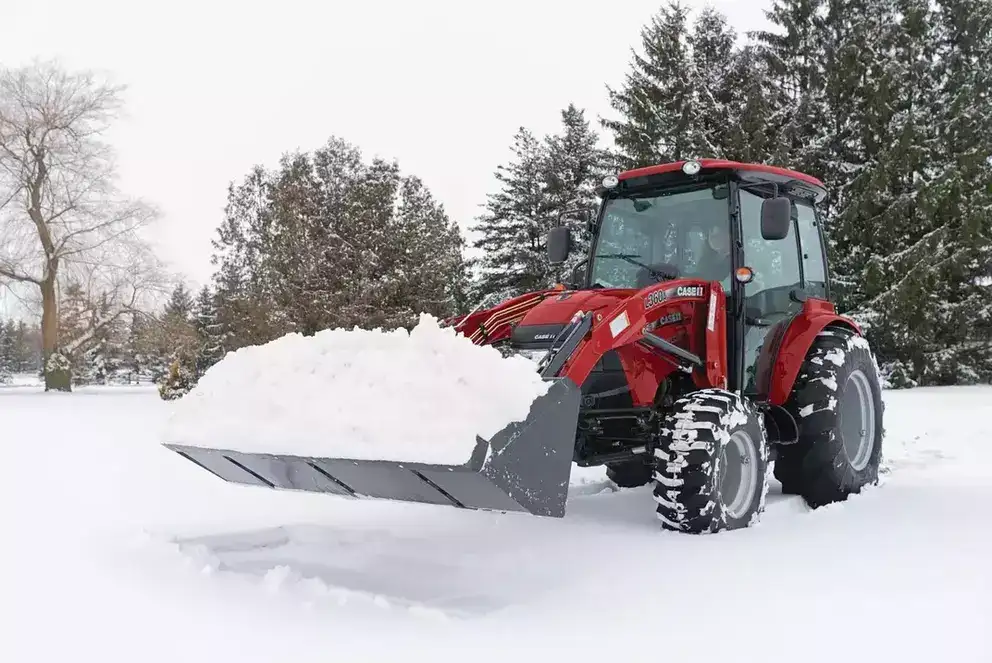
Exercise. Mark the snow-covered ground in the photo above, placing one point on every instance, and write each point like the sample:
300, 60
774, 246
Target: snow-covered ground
116, 549
21, 380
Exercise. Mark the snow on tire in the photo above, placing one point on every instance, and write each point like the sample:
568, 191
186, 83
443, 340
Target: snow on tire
837, 404
711, 464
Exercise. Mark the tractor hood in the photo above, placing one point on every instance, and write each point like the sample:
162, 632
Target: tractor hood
542, 323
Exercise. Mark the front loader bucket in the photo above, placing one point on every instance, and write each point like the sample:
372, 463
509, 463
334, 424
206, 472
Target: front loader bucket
524, 467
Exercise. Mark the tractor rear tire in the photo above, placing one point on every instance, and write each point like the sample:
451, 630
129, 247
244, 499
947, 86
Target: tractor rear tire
837, 404
711, 464
630, 474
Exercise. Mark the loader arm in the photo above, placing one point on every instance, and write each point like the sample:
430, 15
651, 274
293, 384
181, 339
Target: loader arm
494, 324
696, 311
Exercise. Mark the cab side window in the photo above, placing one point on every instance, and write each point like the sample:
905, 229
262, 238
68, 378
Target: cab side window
814, 268
767, 298
775, 263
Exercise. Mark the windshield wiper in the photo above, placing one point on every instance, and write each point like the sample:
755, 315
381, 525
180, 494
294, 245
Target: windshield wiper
630, 257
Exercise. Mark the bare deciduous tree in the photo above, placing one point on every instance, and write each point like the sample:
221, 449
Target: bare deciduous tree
126, 277
59, 207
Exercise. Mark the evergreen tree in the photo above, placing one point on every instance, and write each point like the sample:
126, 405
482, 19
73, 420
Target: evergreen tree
8, 360
887, 102
795, 55
550, 182
245, 313
208, 329
713, 71
330, 240
93, 366
574, 166
656, 101
515, 223
75, 318
883, 165
135, 358
750, 115
27, 346
179, 381
692, 93
858, 155
959, 200
421, 266
180, 305
102, 359
174, 341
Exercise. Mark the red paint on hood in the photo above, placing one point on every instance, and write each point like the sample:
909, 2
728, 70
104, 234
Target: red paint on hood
561, 308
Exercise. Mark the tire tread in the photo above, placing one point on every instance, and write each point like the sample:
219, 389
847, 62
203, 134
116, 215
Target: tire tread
691, 440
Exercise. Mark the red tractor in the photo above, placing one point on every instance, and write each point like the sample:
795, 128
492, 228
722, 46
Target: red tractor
694, 348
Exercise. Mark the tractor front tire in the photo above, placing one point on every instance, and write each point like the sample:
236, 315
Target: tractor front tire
837, 404
711, 464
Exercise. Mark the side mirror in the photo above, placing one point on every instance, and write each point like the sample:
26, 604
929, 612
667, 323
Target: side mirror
559, 244
776, 217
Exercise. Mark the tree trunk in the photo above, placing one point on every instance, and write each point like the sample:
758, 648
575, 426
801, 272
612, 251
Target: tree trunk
57, 375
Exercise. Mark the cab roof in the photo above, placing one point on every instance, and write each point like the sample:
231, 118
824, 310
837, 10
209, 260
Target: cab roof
747, 171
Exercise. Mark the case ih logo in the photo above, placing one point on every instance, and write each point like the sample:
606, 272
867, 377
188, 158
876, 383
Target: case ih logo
670, 319
689, 291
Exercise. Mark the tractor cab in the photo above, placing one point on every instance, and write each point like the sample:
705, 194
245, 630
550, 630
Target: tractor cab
754, 229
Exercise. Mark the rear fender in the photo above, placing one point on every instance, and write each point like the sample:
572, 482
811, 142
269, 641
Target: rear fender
787, 344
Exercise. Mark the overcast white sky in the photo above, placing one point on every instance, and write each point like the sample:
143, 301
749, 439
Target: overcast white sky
216, 86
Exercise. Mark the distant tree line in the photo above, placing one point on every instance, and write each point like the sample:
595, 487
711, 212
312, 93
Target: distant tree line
135, 348
20, 349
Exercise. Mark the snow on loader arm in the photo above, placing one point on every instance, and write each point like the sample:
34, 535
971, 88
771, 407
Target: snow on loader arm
523, 466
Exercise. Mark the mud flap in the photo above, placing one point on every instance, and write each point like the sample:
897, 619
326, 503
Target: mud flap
524, 467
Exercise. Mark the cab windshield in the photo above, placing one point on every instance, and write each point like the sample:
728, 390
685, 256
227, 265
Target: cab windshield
649, 238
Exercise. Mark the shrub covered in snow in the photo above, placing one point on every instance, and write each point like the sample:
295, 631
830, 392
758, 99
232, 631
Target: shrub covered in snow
178, 382
897, 375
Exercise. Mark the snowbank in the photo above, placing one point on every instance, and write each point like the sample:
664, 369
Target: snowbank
419, 396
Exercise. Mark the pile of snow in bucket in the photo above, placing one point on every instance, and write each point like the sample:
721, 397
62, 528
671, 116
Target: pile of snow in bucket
418, 396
